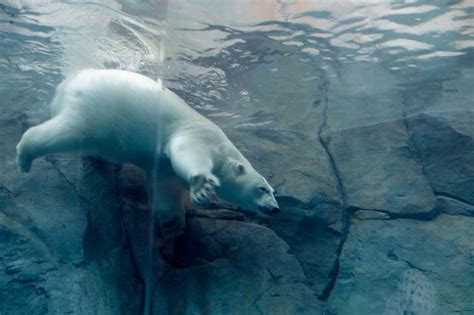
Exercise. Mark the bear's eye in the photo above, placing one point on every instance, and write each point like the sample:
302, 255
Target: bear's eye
263, 190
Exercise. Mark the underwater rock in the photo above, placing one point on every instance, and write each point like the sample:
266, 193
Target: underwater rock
371, 215
61, 245
219, 214
378, 165
455, 207
311, 219
445, 142
415, 294
36, 282
237, 266
406, 266
218, 266
380, 171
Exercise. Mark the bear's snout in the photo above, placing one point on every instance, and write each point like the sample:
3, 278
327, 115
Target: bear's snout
269, 209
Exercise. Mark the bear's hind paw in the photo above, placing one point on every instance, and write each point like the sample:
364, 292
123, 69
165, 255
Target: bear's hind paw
23, 163
172, 228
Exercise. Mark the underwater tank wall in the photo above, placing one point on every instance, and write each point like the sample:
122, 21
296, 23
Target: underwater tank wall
359, 113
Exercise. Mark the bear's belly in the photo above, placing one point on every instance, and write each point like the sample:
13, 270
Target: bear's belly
141, 151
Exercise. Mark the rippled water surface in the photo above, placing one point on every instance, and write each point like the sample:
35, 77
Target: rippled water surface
234, 58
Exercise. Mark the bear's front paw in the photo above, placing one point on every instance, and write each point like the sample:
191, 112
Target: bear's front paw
203, 188
173, 228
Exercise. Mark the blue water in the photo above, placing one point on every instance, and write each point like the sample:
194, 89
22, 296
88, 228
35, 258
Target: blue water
309, 67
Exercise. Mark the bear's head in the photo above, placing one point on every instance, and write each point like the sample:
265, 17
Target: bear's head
245, 187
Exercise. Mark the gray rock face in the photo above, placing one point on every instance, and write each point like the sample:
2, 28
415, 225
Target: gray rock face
372, 148
379, 158
446, 144
406, 266
412, 162
241, 268
220, 265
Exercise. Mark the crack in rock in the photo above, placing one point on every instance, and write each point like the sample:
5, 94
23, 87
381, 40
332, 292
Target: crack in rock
333, 274
453, 197
340, 187
254, 303
423, 216
11, 194
19, 228
53, 162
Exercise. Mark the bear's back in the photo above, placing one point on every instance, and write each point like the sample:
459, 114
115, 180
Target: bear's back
128, 95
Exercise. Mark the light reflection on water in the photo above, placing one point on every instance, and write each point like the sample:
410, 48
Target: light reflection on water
170, 38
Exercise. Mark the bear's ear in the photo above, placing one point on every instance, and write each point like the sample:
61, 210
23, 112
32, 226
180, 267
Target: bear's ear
239, 169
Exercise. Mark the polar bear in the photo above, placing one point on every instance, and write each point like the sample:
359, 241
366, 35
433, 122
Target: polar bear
126, 117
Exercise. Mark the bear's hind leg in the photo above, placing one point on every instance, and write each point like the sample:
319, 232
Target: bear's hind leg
172, 227
53, 136
165, 194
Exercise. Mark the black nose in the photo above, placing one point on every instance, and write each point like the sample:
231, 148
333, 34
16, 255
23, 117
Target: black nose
269, 210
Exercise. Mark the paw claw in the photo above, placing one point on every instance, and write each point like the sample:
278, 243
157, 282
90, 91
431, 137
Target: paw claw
203, 189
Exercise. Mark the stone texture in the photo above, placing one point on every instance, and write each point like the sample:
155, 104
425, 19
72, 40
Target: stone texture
221, 214
378, 165
402, 266
243, 268
453, 206
445, 142
371, 215
379, 169
219, 266
62, 248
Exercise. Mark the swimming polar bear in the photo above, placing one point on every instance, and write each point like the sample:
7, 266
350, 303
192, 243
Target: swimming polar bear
126, 117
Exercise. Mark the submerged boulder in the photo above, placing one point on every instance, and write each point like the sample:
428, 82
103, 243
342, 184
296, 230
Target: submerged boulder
238, 267
406, 266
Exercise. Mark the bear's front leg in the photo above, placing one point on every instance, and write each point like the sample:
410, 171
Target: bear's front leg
192, 161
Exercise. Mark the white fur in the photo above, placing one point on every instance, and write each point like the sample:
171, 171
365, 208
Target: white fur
126, 117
